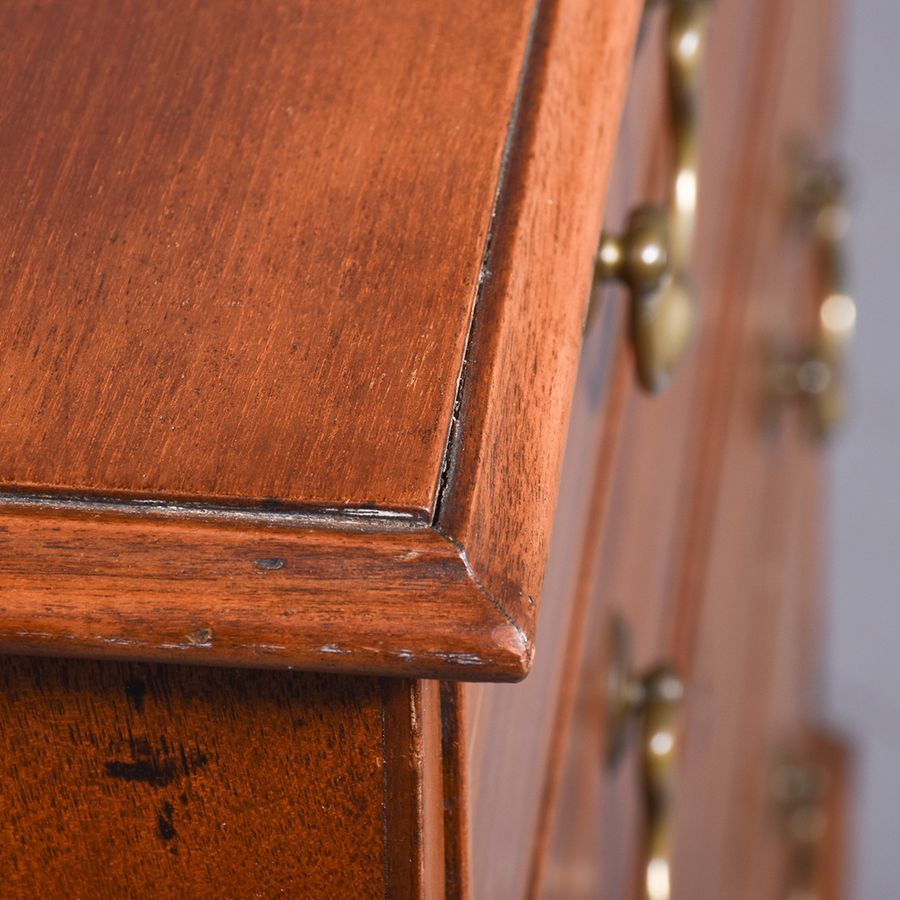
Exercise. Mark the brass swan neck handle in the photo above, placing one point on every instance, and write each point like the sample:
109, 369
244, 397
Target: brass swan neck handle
818, 375
653, 700
653, 255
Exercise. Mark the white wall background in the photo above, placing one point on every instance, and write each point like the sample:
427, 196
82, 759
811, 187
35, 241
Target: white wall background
863, 665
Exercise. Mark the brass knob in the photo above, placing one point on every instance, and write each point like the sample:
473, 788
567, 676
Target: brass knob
651, 700
817, 376
652, 256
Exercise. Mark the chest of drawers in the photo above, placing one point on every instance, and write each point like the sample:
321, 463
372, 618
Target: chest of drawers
324, 423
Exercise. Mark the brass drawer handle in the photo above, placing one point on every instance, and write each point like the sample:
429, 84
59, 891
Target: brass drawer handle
653, 699
652, 257
801, 792
818, 375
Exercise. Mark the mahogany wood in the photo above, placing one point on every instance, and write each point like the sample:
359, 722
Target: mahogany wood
777, 694
336, 361
311, 284
137, 780
512, 727
749, 643
596, 836
457, 837
242, 243
414, 792
834, 753
119, 586
507, 449
514, 733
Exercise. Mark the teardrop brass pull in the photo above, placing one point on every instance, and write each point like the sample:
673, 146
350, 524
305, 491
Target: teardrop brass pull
652, 699
817, 376
653, 255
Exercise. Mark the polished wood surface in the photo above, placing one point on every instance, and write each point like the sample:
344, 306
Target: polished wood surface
135, 780
414, 790
434, 504
253, 236
725, 603
403, 215
513, 729
514, 733
516, 392
752, 643
274, 596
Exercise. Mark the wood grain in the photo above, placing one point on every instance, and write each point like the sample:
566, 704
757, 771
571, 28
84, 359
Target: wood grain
750, 643
511, 730
381, 554
662, 485
414, 791
454, 752
276, 597
241, 244
318, 415
507, 450
132, 780
782, 634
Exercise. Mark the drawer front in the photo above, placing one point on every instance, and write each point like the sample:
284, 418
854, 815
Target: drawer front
136, 780
746, 632
511, 733
695, 545
621, 499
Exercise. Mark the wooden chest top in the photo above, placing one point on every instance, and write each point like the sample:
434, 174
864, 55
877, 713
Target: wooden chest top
241, 243
292, 297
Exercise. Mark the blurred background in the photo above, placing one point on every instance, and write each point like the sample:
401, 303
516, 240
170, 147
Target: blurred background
863, 678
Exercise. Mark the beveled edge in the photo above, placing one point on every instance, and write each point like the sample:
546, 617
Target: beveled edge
114, 585
363, 591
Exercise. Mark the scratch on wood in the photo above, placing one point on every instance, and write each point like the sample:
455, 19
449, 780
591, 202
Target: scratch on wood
463, 659
192, 645
118, 641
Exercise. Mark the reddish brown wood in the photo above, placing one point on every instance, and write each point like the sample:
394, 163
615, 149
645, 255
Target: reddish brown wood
414, 792
749, 642
833, 752
507, 450
736, 536
512, 729
381, 552
457, 837
579, 638
123, 587
429, 718
596, 840
241, 244
778, 697
132, 780
589, 824
371, 387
